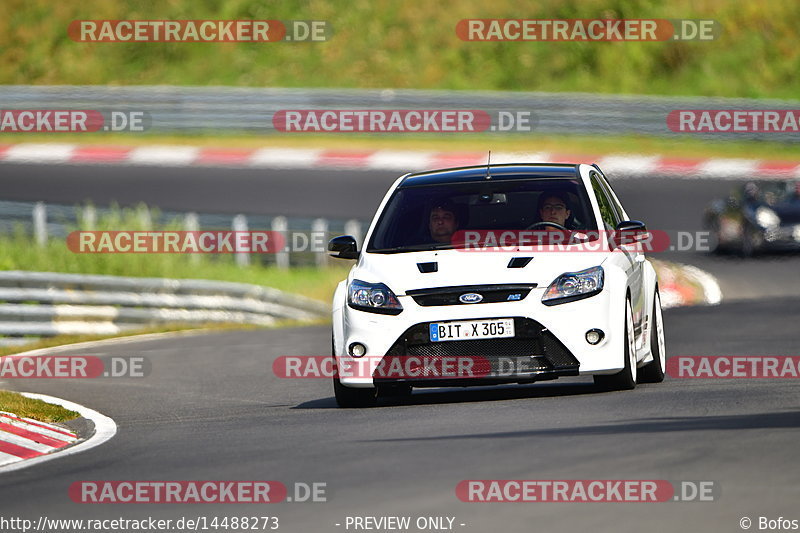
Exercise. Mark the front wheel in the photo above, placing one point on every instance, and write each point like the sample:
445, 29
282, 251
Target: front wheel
653, 372
625, 379
350, 397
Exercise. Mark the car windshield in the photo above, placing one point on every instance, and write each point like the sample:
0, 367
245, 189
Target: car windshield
437, 216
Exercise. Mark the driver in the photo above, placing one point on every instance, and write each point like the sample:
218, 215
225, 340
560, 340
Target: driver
443, 221
554, 208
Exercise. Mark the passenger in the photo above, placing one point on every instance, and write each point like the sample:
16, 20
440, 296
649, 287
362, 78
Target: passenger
443, 221
554, 208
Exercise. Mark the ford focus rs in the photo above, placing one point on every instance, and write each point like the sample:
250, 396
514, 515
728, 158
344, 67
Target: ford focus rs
496, 274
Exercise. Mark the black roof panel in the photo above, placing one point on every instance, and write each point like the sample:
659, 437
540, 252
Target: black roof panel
502, 172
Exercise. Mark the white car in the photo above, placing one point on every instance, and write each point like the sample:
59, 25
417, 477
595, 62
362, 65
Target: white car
493, 274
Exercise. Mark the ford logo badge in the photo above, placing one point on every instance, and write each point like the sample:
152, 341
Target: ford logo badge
470, 298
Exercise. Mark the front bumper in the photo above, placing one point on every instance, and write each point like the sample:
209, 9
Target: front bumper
549, 341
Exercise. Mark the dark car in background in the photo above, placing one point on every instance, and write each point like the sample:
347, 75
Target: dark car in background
756, 217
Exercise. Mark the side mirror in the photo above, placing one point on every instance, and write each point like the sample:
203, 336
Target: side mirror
629, 231
344, 247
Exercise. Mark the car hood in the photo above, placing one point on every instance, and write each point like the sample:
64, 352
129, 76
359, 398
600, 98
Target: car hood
458, 267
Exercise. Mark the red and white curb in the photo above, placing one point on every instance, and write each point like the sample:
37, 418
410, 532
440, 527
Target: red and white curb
674, 294
23, 438
25, 442
401, 161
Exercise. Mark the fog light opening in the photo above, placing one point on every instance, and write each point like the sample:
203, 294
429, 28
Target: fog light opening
356, 349
594, 336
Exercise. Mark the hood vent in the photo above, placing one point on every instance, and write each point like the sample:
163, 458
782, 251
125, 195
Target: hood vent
519, 262
427, 268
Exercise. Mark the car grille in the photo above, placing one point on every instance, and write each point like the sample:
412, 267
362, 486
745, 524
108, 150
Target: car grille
511, 347
534, 350
490, 293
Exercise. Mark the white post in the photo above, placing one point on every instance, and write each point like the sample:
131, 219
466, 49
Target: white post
191, 222
40, 223
145, 219
89, 221
281, 225
353, 227
319, 227
240, 224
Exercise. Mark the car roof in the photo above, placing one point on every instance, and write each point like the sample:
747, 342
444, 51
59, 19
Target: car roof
499, 172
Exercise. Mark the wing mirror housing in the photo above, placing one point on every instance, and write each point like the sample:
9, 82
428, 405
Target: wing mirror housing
343, 247
629, 232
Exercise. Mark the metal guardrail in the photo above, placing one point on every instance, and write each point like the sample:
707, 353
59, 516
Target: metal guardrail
231, 110
42, 304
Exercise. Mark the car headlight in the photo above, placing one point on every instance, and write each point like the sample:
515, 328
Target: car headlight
767, 218
373, 297
571, 286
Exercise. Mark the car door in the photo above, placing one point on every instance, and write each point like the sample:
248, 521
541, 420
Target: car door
626, 256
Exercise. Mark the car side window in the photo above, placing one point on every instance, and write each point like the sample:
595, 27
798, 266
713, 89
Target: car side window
612, 196
607, 212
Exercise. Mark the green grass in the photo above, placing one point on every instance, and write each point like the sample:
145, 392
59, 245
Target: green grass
23, 407
394, 43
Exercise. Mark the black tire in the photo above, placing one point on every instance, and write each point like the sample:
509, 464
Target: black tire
625, 379
349, 397
653, 372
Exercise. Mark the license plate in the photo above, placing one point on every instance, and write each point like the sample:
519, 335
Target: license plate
472, 329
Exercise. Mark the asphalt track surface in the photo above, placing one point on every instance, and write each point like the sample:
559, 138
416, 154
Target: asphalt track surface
212, 409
